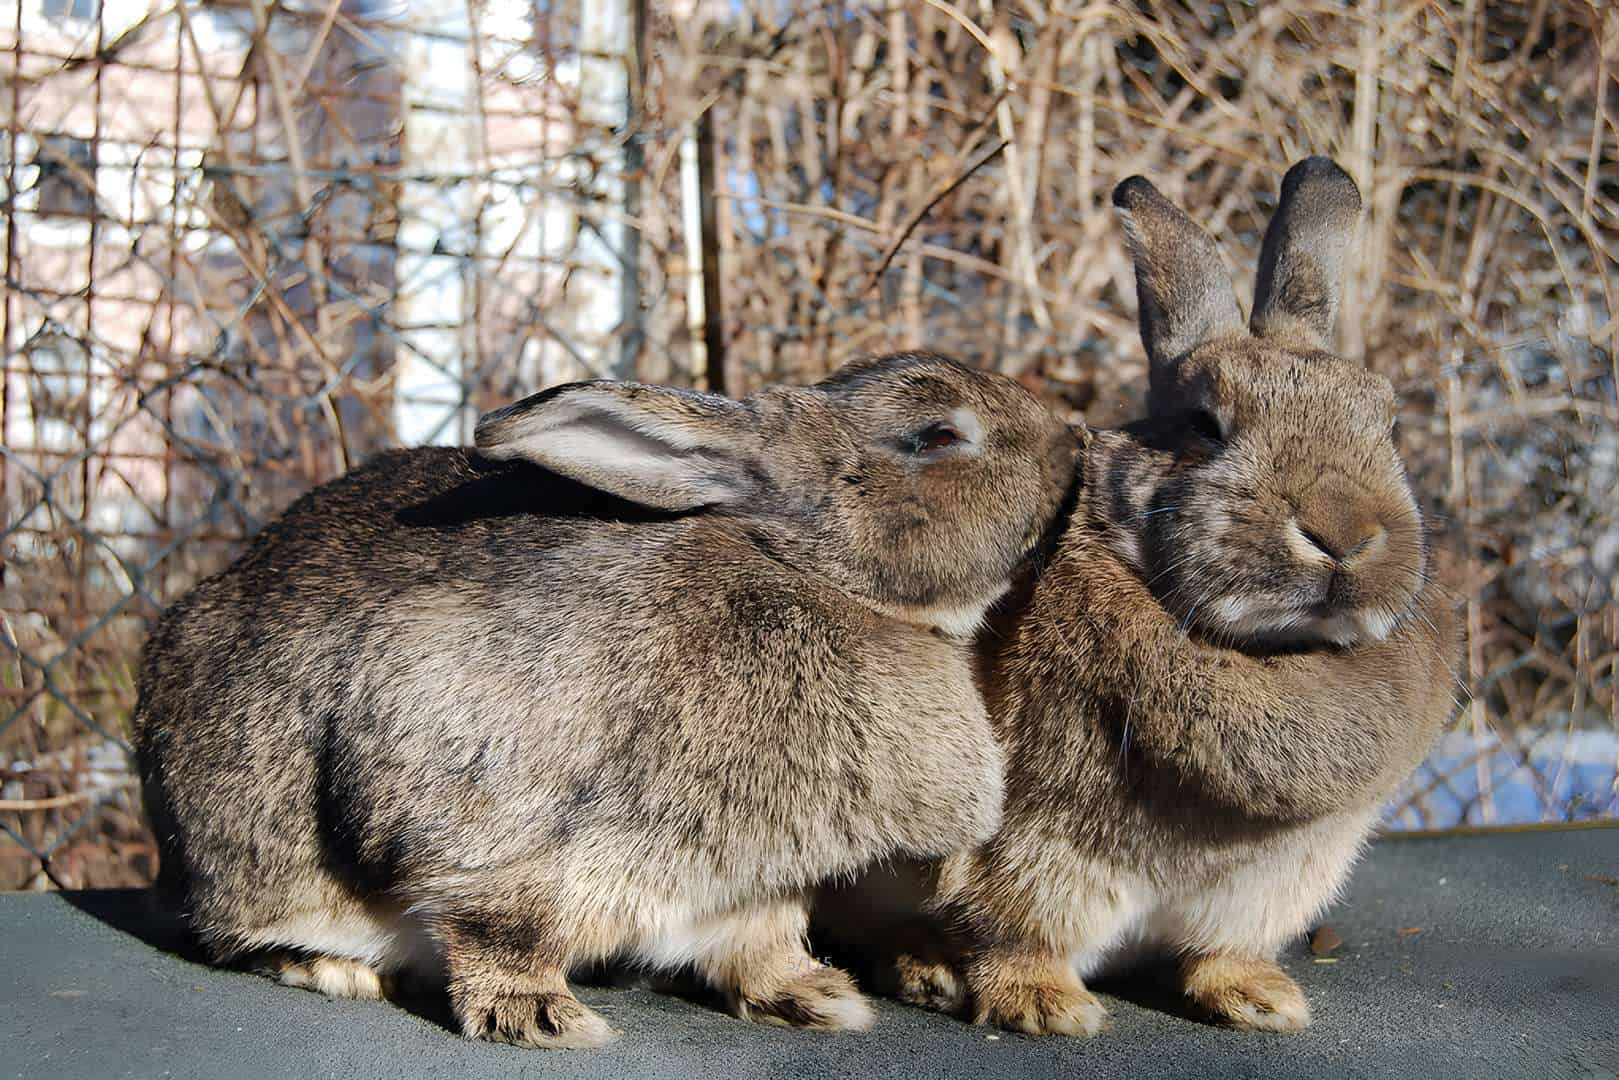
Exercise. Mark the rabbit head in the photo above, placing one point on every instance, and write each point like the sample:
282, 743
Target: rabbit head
1263, 497
913, 482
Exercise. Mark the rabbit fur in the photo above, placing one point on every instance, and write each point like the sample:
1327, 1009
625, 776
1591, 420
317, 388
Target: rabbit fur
626, 681
1231, 656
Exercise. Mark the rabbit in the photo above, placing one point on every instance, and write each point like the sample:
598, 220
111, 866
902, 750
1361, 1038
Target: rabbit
624, 681
1231, 655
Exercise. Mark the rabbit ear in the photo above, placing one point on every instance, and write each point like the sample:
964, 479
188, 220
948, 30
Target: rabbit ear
663, 448
1182, 288
1301, 265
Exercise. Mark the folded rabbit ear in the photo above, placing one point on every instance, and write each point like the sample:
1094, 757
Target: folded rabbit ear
1182, 289
1301, 265
663, 448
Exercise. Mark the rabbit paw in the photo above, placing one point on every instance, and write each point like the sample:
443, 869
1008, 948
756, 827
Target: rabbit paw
331, 975
929, 984
1042, 1009
821, 997
1256, 995
555, 1020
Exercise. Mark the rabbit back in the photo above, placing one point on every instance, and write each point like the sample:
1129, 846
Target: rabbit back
436, 666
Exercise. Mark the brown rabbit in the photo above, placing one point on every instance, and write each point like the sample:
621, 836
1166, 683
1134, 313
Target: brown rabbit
1231, 657
626, 681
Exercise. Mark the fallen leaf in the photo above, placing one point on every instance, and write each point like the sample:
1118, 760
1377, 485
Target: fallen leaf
1409, 931
1602, 879
1325, 940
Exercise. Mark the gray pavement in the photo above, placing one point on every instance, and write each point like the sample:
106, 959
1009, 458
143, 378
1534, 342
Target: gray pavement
1479, 956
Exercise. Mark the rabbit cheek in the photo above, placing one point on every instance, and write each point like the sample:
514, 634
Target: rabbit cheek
931, 570
1201, 554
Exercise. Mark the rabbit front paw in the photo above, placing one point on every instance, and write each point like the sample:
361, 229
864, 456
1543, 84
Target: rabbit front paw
555, 1020
1256, 995
930, 984
1044, 1010
1034, 995
334, 976
820, 997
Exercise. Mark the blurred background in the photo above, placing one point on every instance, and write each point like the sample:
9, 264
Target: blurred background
247, 243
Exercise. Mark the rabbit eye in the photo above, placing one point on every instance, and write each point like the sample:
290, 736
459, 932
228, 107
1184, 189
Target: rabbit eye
934, 437
1205, 425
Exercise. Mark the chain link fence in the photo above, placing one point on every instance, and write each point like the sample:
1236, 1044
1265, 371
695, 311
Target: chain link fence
250, 242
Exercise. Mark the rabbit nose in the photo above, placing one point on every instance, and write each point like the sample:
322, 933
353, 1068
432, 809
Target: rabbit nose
1342, 541
1371, 540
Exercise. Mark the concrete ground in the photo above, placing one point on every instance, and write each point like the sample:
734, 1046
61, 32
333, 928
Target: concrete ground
1476, 956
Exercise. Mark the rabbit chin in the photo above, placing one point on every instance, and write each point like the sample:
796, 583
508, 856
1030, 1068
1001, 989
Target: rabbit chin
1246, 619
961, 619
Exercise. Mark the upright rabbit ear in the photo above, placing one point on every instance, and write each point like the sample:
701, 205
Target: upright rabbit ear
1301, 265
663, 448
1182, 288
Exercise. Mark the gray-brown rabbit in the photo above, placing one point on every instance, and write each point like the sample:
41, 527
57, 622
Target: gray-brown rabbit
626, 681
1231, 658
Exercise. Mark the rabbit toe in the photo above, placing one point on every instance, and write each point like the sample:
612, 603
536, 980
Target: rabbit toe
334, 976
1043, 1009
548, 1020
929, 984
824, 997
1254, 995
